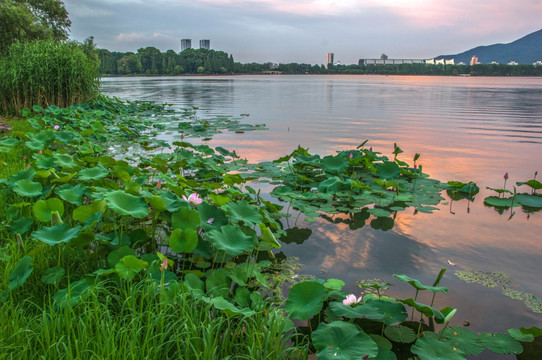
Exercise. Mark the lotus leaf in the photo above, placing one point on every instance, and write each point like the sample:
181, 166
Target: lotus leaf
501, 343
129, 266
533, 201
400, 333
391, 312
382, 342
43, 209
53, 275
388, 170
71, 295
419, 286
243, 211
71, 194
56, 234
305, 300
83, 213
27, 174
21, 225
65, 161
185, 217
426, 310
183, 240
268, 237
116, 255
463, 339
27, 187
535, 184
20, 273
428, 348
94, 173
231, 240
194, 284
335, 164
218, 283
342, 340
125, 204
334, 284
500, 202
230, 309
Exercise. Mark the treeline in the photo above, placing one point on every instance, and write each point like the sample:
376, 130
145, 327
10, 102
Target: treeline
429, 69
150, 61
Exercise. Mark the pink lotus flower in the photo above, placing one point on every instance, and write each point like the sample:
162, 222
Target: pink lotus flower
210, 221
182, 136
56, 127
41, 151
351, 300
28, 166
164, 265
351, 155
193, 199
159, 185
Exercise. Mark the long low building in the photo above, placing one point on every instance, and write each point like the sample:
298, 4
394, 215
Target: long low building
363, 62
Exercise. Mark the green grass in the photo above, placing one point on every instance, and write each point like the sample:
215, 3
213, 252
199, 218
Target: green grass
133, 322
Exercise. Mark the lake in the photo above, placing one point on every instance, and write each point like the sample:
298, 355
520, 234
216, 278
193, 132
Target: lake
465, 128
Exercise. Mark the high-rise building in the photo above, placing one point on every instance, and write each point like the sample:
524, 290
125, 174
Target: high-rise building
329, 59
474, 60
205, 44
186, 44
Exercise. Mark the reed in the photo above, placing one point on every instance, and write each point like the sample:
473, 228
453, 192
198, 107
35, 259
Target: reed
46, 73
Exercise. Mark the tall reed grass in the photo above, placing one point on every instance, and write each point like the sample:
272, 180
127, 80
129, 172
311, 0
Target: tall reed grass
46, 73
133, 322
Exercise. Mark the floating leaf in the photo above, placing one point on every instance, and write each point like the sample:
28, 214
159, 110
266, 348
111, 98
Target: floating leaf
125, 204
501, 343
342, 340
305, 300
499, 202
463, 339
428, 348
533, 201
400, 333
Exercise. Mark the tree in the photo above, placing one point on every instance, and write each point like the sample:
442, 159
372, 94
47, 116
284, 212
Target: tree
27, 20
383, 57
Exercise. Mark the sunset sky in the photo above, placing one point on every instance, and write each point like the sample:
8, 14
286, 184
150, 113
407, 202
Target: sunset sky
304, 31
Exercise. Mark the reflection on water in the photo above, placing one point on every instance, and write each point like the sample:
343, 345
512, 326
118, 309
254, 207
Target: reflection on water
465, 128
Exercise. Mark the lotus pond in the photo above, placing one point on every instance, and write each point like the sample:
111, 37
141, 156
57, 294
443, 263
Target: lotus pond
103, 199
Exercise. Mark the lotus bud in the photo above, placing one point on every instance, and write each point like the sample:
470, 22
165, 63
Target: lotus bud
506, 176
56, 127
55, 218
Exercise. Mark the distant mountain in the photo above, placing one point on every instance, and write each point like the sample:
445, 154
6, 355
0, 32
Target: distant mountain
526, 50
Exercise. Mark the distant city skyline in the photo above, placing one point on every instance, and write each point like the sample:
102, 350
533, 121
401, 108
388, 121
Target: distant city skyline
304, 31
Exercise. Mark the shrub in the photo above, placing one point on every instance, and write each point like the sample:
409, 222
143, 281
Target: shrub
46, 73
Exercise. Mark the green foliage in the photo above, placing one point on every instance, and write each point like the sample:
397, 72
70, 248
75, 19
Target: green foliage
45, 73
29, 20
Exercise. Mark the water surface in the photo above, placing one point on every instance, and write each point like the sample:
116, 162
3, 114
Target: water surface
466, 128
